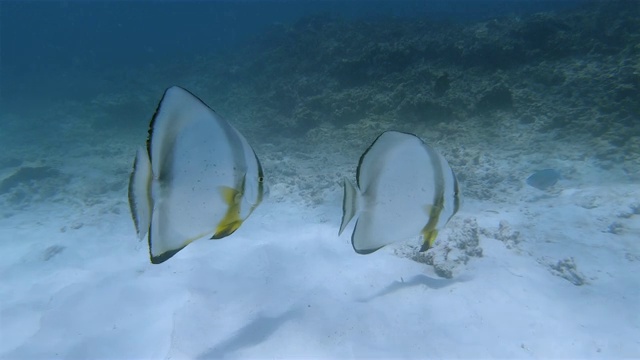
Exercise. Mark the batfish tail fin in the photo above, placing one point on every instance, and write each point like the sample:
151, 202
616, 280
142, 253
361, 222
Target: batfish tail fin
139, 192
349, 204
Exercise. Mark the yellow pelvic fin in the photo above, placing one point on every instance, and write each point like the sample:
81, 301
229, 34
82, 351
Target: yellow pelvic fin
226, 229
231, 220
429, 237
429, 232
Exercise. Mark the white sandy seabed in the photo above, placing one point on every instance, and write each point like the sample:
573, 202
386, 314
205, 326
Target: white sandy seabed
546, 275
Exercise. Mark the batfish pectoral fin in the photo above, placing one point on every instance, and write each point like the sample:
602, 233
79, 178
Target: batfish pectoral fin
231, 220
349, 204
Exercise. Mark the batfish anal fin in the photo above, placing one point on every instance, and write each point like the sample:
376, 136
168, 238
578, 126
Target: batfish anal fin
159, 259
362, 251
161, 251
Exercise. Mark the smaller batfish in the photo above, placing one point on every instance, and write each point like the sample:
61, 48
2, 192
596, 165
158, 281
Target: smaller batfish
543, 179
198, 176
405, 189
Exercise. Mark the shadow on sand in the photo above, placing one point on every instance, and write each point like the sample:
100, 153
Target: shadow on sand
254, 333
418, 280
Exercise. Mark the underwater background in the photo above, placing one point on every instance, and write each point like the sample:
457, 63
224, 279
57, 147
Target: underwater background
503, 89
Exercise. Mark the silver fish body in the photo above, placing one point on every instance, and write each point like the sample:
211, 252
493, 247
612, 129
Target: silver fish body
404, 189
197, 177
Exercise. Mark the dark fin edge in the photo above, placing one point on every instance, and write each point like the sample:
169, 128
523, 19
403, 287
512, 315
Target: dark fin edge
261, 182
164, 256
373, 143
132, 201
429, 240
361, 252
158, 108
227, 230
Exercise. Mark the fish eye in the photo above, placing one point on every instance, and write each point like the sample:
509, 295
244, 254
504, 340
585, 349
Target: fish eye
260, 179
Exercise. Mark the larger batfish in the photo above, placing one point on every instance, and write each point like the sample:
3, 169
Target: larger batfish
405, 189
197, 177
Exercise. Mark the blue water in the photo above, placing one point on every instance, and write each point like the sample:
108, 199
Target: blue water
566, 70
280, 70
47, 46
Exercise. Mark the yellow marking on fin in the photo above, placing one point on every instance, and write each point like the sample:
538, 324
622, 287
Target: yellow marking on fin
226, 229
230, 195
428, 209
429, 237
231, 220
429, 232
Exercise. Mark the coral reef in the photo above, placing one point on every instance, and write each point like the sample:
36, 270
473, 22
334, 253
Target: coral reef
483, 93
570, 76
566, 269
328, 69
453, 251
511, 238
